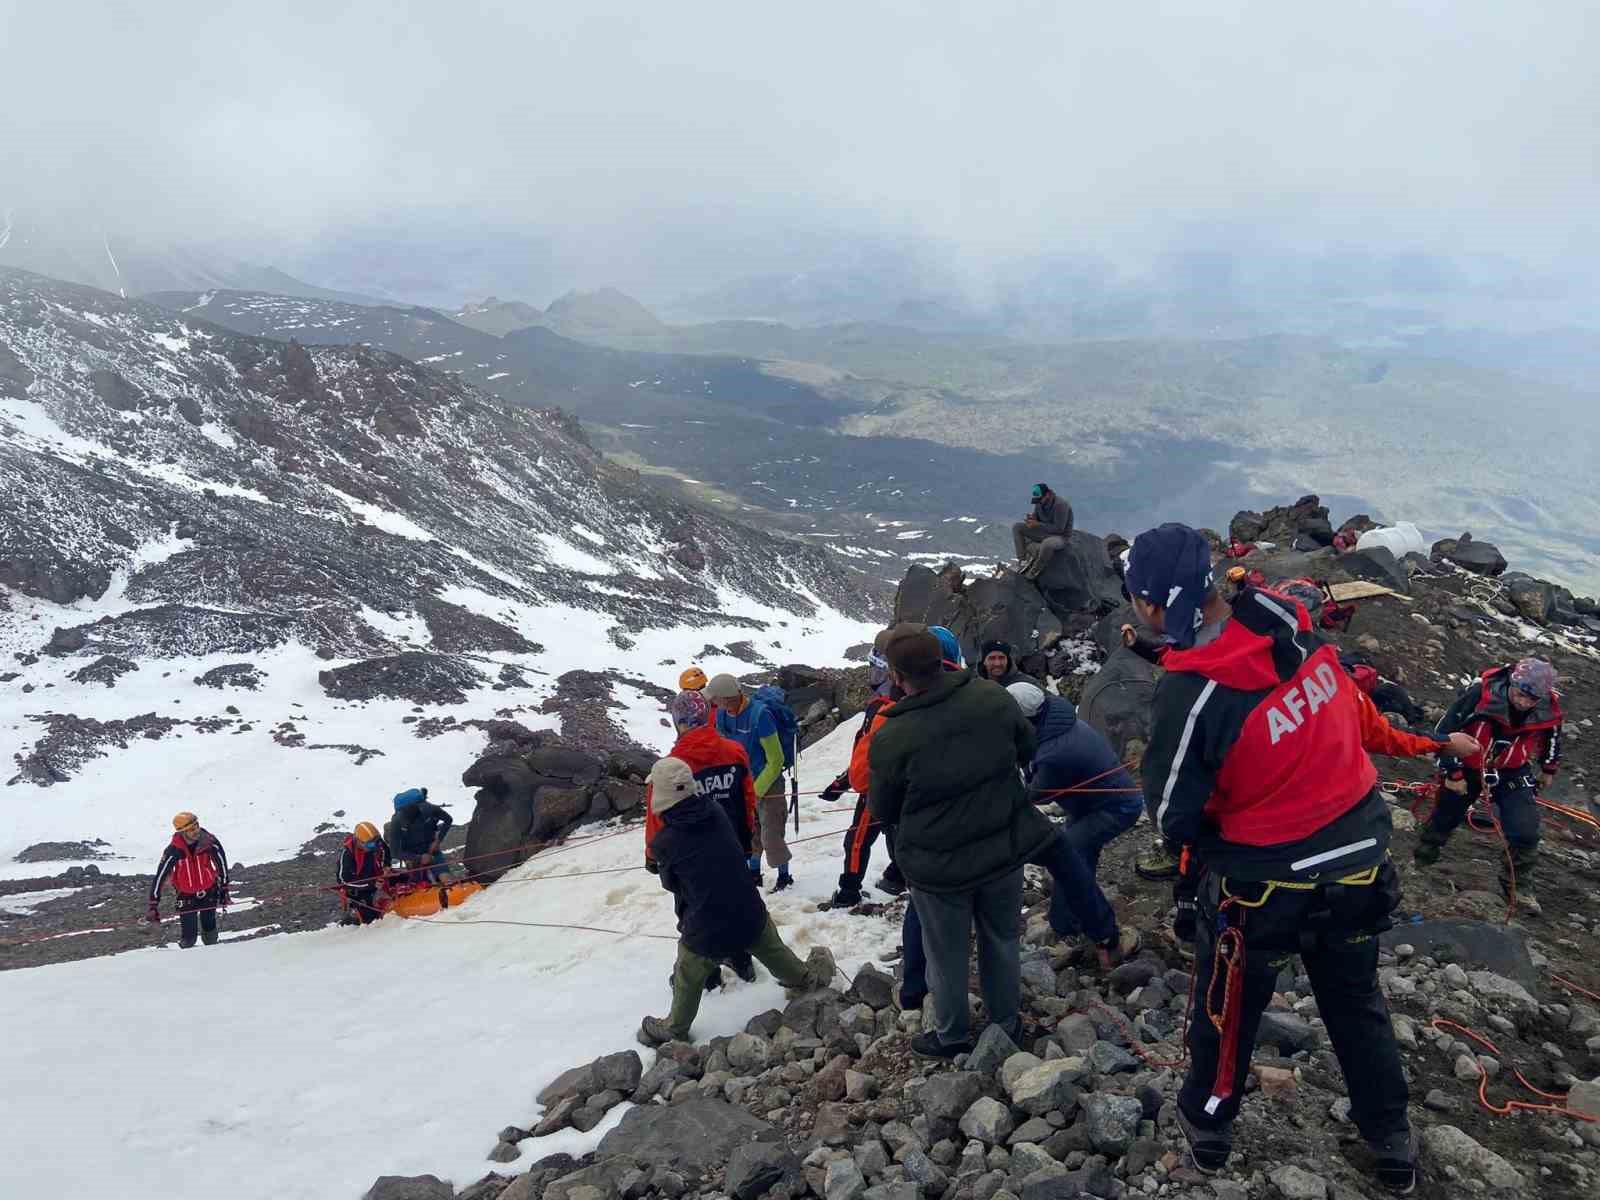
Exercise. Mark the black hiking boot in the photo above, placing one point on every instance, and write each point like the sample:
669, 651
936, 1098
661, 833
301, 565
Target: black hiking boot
1208, 1148
744, 967
654, 1031
208, 936
928, 1045
1395, 1162
185, 943
845, 898
894, 884
784, 880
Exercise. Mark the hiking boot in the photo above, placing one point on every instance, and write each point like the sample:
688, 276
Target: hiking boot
1208, 1148
208, 936
1529, 903
1425, 854
1395, 1162
654, 1031
845, 898
744, 967
1114, 953
784, 880
894, 884
928, 1045
185, 943
1157, 864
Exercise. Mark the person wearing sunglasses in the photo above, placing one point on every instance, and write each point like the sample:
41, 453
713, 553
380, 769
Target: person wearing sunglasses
1514, 713
198, 867
363, 867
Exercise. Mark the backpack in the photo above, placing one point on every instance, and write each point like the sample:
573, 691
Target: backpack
773, 698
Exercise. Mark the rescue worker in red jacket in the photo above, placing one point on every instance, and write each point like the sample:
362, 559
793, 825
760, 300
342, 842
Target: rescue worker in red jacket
363, 868
198, 867
1256, 767
1515, 712
721, 771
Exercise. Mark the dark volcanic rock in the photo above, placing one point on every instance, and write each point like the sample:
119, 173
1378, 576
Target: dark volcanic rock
105, 670
1482, 558
456, 630
232, 675
696, 1136
412, 675
1377, 565
63, 851
1117, 702
72, 741
1081, 577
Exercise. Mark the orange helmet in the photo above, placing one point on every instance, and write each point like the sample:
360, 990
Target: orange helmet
692, 680
185, 819
366, 832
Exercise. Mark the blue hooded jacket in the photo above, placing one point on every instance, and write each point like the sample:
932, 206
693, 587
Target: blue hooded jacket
1073, 752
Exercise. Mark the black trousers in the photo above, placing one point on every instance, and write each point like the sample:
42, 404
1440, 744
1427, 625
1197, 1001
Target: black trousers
362, 905
197, 912
1334, 932
1515, 799
858, 840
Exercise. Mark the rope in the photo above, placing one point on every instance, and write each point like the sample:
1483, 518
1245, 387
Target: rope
1568, 984
1511, 1106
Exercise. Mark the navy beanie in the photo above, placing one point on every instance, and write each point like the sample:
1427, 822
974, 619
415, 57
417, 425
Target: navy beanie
1170, 567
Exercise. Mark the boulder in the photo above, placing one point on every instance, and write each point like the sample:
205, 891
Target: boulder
1498, 948
409, 1187
934, 598
1535, 600
987, 1121
1296, 1183
1288, 1033
1117, 702
692, 1137
1481, 558
1502, 993
755, 1168
1446, 1146
1377, 565
1081, 578
993, 1048
1003, 609
947, 1097
1051, 1086
873, 987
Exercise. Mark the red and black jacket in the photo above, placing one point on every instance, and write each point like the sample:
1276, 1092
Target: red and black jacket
360, 868
1256, 756
194, 870
721, 773
1513, 741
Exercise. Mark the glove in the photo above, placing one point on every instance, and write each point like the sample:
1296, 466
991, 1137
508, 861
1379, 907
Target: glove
1186, 921
1457, 784
835, 790
651, 865
153, 913
223, 899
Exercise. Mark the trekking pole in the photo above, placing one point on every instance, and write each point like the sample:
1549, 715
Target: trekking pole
794, 789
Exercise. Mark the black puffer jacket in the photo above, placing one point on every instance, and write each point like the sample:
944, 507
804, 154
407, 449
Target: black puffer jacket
945, 772
720, 913
415, 827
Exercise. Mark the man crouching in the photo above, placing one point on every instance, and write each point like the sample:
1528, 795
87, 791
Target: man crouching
720, 912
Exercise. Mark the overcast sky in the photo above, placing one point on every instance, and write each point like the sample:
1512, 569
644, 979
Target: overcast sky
997, 127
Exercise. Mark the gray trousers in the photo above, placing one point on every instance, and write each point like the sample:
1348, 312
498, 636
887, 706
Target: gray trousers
1046, 545
948, 919
772, 811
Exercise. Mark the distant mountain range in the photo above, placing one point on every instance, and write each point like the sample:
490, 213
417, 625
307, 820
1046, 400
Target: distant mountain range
593, 316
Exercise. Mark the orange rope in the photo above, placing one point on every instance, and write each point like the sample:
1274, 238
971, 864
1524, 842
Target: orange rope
1511, 1106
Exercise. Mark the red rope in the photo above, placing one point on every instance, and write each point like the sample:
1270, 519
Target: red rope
1511, 1106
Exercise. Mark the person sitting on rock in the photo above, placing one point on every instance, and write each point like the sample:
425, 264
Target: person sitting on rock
1073, 754
753, 726
415, 833
1515, 712
721, 771
997, 662
1256, 768
720, 912
1047, 529
363, 869
198, 867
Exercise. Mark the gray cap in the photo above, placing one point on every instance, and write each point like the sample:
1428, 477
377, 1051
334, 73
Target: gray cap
671, 781
721, 687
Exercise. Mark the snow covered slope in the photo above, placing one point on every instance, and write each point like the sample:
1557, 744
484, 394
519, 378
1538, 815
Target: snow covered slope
306, 1065
271, 584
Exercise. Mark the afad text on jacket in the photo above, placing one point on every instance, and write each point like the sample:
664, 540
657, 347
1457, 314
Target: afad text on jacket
1256, 755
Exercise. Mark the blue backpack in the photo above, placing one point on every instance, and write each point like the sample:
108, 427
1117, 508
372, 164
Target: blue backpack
775, 701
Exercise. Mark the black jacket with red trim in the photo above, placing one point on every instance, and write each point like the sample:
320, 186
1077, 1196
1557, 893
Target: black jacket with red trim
1256, 756
194, 870
721, 773
360, 867
1513, 740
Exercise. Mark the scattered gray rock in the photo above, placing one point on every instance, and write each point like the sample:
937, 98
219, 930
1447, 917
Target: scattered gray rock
987, 1121
844, 1181
1113, 1122
873, 987
1287, 1032
1295, 1183
1051, 1086
1446, 1146
691, 1137
993, 1048
409, 1187
947, 1097
755, 1168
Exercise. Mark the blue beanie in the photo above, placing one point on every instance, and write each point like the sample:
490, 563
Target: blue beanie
1170, 567
949, 644
409, 797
